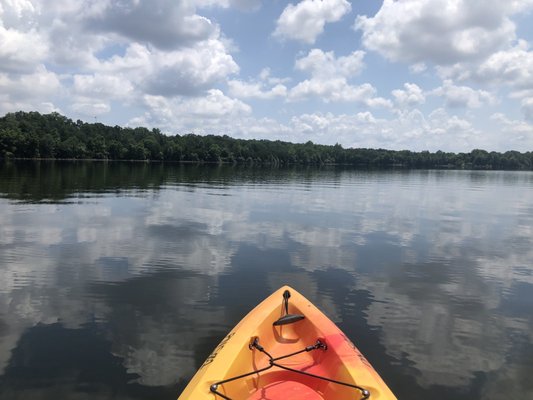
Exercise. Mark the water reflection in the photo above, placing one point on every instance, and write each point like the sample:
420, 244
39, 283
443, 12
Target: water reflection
136, 271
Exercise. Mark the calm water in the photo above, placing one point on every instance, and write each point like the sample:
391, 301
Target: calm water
117, 280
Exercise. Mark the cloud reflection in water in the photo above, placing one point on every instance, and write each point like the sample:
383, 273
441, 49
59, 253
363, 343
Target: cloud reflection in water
428, 271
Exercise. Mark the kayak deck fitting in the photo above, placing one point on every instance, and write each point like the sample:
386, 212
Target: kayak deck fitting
273, 354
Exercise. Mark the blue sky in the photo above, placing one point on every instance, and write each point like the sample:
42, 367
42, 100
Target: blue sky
449, 75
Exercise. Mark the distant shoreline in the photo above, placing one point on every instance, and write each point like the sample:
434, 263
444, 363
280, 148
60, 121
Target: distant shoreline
35, 136
257, 164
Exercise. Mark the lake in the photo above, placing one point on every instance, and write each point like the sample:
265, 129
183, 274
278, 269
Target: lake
118, 279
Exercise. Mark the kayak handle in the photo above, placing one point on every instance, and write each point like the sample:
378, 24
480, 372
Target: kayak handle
286, 296
288, 318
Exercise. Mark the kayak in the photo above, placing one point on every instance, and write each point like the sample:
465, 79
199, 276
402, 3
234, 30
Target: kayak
286, 348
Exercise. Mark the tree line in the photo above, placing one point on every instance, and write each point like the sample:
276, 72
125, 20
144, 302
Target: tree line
54, 136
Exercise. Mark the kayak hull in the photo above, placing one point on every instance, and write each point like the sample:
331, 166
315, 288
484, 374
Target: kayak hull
255, 342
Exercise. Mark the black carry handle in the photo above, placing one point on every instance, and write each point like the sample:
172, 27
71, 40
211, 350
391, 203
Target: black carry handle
288, 318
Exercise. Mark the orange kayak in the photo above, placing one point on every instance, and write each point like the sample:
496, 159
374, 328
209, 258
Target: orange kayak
286, 348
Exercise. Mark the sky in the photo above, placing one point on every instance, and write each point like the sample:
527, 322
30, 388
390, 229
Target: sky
451, 75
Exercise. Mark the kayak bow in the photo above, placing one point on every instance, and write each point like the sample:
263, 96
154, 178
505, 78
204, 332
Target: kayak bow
286, 348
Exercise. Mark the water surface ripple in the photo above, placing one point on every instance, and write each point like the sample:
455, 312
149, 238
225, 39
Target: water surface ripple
118, 279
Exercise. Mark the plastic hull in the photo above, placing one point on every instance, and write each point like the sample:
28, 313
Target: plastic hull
341, 361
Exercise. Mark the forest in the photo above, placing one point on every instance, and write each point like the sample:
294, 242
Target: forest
54, 136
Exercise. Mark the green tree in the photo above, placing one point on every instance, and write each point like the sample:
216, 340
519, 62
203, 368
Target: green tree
96, 147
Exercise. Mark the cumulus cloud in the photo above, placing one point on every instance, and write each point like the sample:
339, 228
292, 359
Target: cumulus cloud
170, 64
351, 128
305, 21
47, 32
265, 87
214, 104
212, 113
439, 31
329, 80
410, 129
165, 24
463, 96
410, 96
527, 108
324, 64
441, 122
337, 90
407, 130
513, 67
108, 50
41, 83
190, 70
418, 68
29, 91
256, 90
20, 51
142, 69
70, 47
102, 85
467, 41
514, 134
510, 68
515, 126
243, 5
91, 107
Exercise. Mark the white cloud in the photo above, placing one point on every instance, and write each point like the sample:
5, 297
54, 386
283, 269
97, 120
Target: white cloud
168, 63
513, 66
15, 9
256, 90
440, 122
463, 96
41, 83
21, 51
166, 24
328, 127
410, 96
337, 90
515, 126
187, 71
527, 108
108, 50
102, 86
324, 64
266, 76
212, 113
329, 80
514, 134
243, 5
90, 108
265, 87
409, 130
190, 70
442, 32
44, 107
70, 46
305, 21
48, 31
214, 104
418, 68
29, 91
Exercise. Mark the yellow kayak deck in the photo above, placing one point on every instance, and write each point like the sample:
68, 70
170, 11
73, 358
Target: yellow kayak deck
286, 348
